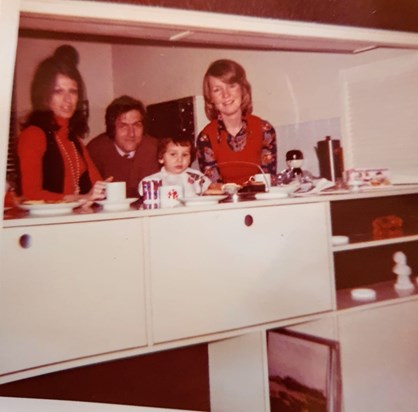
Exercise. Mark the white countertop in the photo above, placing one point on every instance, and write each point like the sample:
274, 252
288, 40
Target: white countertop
46, 405
101, 215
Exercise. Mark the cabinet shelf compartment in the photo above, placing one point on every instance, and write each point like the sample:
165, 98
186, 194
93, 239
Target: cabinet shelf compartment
311, 382
369, 267
354, 218
357, 268
246, 370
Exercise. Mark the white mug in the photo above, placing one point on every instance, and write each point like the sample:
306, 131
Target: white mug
263, 178
115, 191
170, 195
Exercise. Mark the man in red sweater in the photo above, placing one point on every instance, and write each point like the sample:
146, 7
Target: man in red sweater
125, 151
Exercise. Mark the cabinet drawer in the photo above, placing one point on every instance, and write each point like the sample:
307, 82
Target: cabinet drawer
216, 271
70, 291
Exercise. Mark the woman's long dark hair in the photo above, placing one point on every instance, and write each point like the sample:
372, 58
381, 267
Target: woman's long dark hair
64, 61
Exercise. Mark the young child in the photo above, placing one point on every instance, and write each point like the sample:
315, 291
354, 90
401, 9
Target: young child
175, 155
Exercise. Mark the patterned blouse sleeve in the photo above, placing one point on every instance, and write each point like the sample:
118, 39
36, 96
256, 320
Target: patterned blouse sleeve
269, 149
206, 158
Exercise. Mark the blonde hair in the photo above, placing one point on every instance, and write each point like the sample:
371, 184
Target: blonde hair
229, 72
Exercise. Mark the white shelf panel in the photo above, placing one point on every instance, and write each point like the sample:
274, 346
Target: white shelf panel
374, 243
385, 292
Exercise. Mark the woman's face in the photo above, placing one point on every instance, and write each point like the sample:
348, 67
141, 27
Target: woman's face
63, 102
176, 158
226, 97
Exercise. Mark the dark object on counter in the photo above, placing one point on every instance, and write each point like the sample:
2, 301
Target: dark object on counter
330, 156
386, 227
294, 160
252, 187
293, 171
294, 155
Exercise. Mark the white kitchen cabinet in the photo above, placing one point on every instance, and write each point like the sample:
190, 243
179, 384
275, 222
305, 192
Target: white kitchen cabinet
228, 269
377, 355
379, 358
239, 367
239, 374
71, 291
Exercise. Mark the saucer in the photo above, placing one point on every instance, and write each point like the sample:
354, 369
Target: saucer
270, 195
363, 294
49, 209
118, 206
202, 200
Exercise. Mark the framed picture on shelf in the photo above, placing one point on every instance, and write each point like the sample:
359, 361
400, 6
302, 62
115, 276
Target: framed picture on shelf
304, 372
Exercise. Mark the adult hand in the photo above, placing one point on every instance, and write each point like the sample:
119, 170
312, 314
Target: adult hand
97, 192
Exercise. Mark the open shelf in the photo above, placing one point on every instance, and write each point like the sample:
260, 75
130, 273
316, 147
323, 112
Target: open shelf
367, 265
384, 291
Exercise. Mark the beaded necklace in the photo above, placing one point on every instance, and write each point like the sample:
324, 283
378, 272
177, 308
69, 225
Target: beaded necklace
75, 171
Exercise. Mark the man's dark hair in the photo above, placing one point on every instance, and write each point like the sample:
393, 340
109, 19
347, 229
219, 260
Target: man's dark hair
120, 105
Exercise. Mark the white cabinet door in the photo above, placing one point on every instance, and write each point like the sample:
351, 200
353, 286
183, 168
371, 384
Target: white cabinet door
220, 270
76, 290
379, 358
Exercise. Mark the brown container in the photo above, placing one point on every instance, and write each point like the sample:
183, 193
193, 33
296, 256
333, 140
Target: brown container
330, 157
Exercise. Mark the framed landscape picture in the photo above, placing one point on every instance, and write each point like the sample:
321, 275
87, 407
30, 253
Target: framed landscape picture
304, 372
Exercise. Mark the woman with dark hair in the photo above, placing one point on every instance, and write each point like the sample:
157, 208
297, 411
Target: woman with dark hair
235, 144
54, 164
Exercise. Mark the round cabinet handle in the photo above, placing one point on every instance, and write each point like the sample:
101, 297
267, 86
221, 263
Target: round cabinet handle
25, 241
248, 220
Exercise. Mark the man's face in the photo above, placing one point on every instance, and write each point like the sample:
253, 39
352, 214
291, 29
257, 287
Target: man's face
129, 130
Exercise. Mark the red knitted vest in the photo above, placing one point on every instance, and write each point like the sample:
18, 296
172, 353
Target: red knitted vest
228, 160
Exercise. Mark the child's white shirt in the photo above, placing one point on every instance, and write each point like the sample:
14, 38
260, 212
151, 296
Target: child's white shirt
192, 181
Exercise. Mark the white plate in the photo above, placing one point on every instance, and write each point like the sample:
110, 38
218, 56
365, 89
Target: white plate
271, 195
201, 200
50, 209
283, 189
118, 206
340, 240
363, 294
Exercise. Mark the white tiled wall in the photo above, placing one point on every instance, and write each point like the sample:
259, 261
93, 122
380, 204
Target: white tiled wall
304, 136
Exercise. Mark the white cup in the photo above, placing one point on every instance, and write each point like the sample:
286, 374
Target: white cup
170, 195
263, 178
115, 191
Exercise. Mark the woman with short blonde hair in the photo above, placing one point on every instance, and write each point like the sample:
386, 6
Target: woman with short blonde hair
235, 144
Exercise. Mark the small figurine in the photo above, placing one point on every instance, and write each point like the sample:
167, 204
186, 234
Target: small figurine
293, 172
403, 272
294, 161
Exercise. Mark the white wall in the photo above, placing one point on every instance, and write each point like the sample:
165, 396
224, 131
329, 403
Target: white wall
288, 87
298, 92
